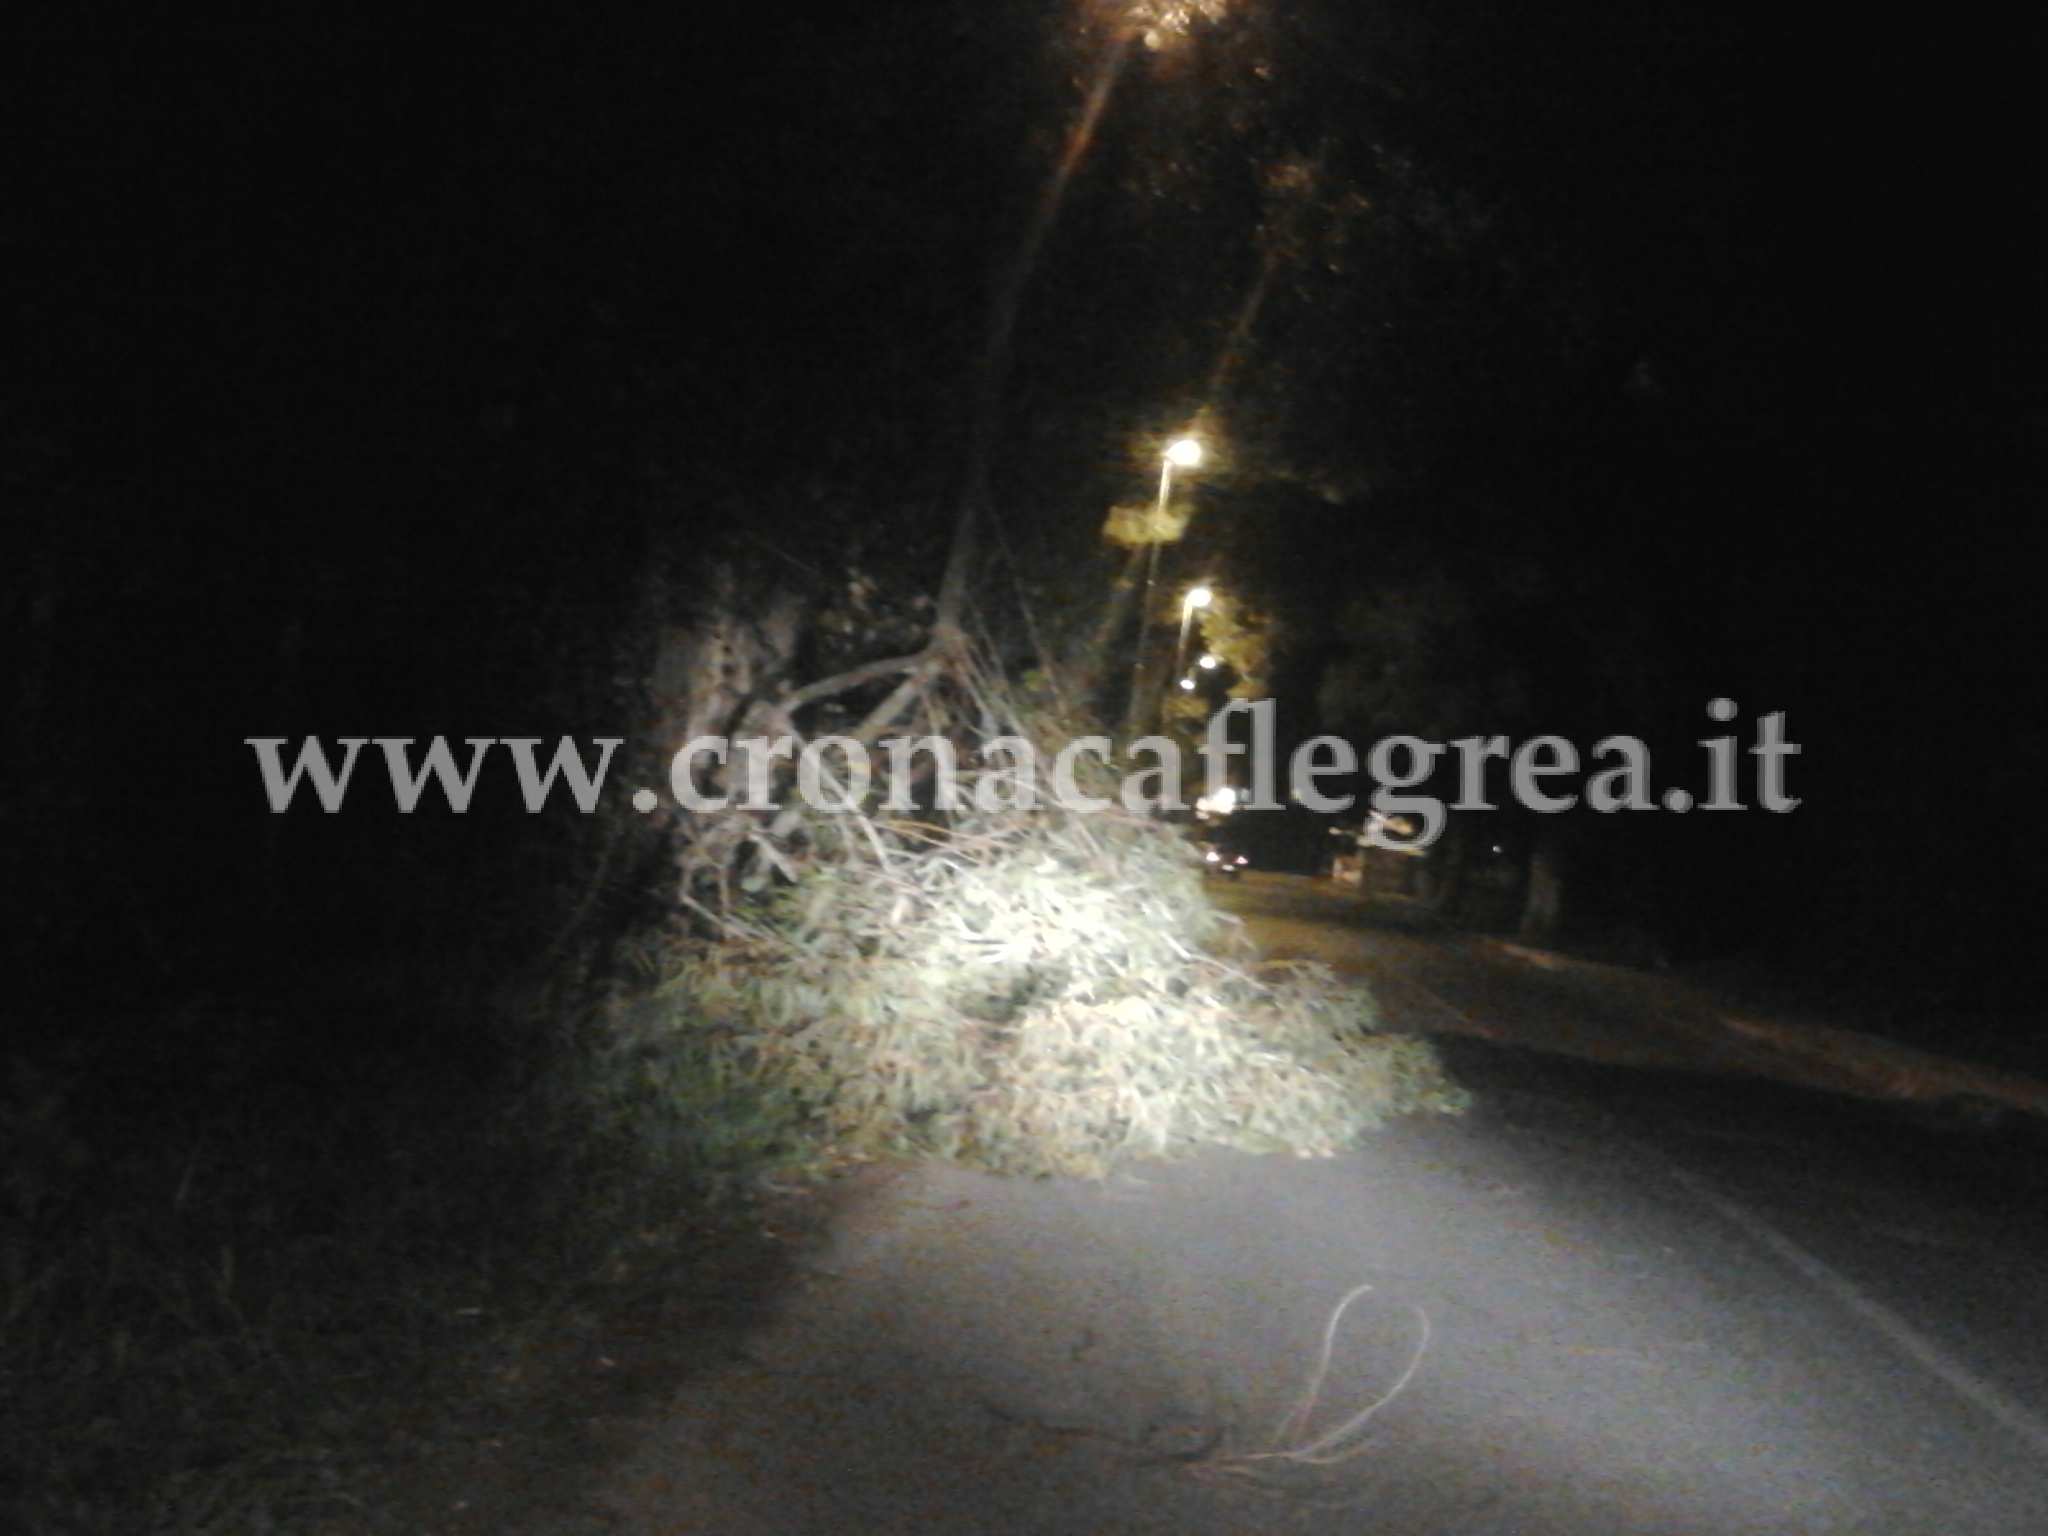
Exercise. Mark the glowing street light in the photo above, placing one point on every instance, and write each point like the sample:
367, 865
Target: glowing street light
1165, 23
1182, 453
1200, 596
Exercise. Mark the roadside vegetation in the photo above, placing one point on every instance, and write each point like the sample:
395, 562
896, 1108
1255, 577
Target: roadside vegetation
236, 1271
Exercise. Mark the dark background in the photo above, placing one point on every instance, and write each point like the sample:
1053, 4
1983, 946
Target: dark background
365, 364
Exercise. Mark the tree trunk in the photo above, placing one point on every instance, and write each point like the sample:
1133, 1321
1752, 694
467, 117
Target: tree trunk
1543, 894
1441, 883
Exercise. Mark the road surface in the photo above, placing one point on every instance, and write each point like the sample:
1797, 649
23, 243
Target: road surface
1657, 1282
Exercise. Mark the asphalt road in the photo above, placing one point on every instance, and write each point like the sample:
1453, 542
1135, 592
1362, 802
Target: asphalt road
1642, 1288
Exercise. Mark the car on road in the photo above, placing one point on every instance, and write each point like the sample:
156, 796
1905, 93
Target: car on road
1223, 863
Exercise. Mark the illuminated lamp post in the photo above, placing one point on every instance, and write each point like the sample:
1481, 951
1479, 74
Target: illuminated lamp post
1199, 597
1181, 453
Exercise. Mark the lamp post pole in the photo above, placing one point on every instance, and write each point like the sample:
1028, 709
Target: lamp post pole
1199, 597
1185, 453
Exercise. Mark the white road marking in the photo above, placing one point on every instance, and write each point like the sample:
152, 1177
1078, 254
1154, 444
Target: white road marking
1981, 1393
1984, 1395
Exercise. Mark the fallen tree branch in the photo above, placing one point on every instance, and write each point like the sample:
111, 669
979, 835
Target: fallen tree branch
856, 677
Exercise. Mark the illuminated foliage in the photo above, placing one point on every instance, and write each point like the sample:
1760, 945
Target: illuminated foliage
1020, 986
1033, 993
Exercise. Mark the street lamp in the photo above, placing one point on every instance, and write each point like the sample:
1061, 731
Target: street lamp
1166, 23
1199, 596
1181, 453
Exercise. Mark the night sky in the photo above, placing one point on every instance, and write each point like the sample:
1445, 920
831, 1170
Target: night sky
357, 357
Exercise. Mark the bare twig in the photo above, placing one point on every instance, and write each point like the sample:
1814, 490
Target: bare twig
1321, 1452
855, 677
